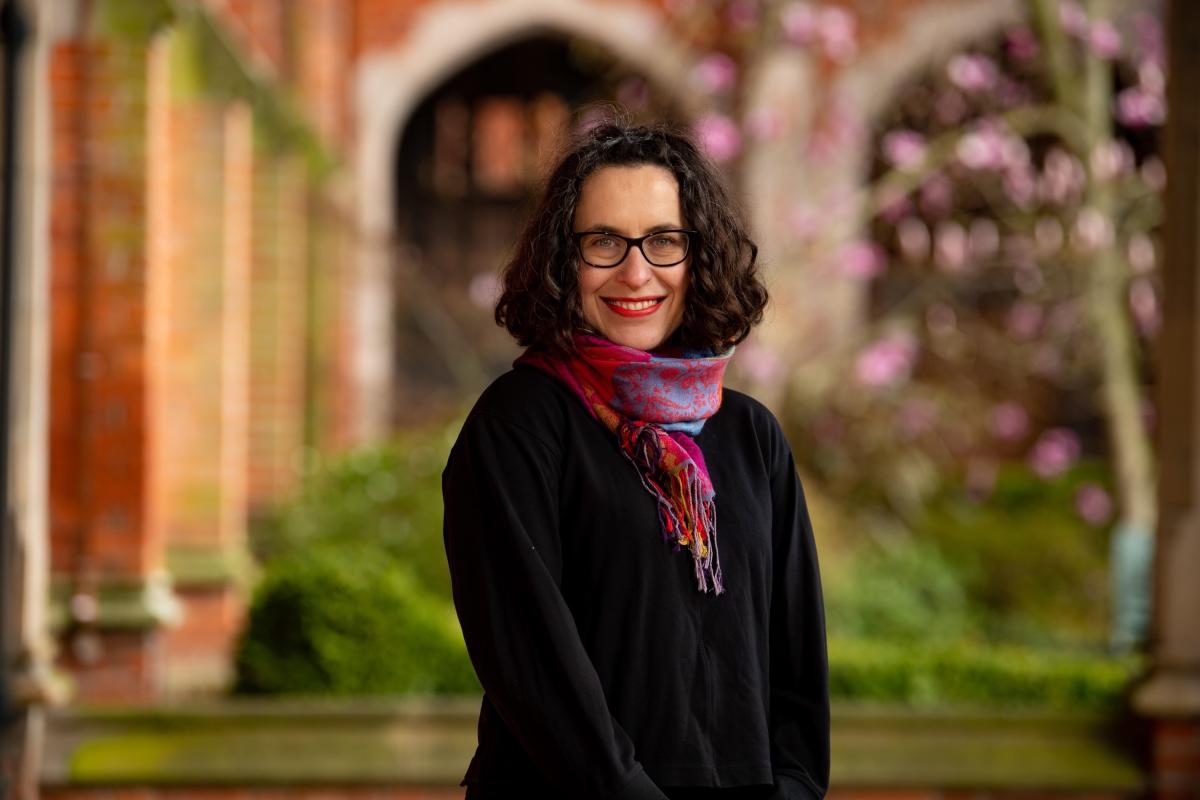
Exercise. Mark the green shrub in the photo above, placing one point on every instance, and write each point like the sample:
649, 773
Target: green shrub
972, 673
388, 495
1035, 571
349, 619
905, 592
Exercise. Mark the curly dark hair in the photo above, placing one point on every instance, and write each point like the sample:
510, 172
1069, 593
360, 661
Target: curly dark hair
540, 300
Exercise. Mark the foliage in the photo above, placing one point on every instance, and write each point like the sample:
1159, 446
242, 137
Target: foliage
893, 594
387, 495
1032, 567
974, 673
347, 618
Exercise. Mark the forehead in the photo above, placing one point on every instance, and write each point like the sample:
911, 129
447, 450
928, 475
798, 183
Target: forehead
629, 197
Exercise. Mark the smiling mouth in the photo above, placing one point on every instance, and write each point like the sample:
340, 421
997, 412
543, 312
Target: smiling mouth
639, 304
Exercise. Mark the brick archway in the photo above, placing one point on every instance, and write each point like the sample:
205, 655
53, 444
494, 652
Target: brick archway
391, 84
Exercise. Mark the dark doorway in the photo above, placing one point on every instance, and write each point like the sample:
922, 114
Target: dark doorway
467, 166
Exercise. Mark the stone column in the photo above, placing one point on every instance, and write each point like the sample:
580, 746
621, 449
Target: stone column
110, 589
1171, 695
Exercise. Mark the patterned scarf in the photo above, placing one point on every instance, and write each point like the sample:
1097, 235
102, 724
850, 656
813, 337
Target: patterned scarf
655, 402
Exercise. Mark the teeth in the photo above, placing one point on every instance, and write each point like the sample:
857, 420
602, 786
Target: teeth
633, 306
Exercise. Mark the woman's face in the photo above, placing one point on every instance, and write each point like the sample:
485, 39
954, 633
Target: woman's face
632, 201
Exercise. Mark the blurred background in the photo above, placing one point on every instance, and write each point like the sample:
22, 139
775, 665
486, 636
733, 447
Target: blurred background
251, 252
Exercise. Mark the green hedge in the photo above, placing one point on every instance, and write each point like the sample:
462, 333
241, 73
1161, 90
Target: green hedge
349, 619
976, 673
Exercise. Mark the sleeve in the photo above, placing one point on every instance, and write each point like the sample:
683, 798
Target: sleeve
799, 663
500, 494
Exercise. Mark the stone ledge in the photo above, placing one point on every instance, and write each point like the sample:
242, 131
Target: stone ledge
119, 603
430, 741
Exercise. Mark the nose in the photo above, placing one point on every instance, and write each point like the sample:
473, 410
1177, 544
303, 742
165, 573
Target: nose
635, 271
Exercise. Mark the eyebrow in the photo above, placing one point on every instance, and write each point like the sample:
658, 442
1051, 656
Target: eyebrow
604, 227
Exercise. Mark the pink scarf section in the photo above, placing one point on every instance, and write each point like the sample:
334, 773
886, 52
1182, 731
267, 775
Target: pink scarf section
655, 402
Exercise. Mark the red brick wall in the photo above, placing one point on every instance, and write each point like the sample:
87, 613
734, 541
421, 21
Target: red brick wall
98, 257
277, 333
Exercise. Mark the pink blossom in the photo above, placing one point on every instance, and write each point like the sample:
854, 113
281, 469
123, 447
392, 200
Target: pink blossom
1055, 450
799, 21
1020, 186
1048, 233
1154, 174
914, 239
841, 126
1141, 254
764, 124
972, 73
836, 28
633, 93
1148, 35
1139, 108
742, 15
950, 246
1151, 78
887, 361
1092, 230
1008, 421
1024, 319
862, 259
1110, 159
917, 416
1010, 93
941, 320
716, 73
986, 147
1094, 504
805, 222
983, 239
1073, 18
718, 136
937, 195
1143, 304
904, 148
1063, 177
484, 289
894, 204
950, 107
1104, 39
1022, 44
758, 362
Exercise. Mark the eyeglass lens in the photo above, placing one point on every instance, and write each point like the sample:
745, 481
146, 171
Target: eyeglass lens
661, 249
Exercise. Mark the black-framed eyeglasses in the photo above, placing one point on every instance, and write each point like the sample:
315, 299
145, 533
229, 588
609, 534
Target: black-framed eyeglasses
661, 248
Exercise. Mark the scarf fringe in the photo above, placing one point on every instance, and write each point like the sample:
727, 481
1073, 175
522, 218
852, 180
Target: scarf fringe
687, 511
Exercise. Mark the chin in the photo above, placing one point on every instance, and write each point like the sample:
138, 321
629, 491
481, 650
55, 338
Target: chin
647, 340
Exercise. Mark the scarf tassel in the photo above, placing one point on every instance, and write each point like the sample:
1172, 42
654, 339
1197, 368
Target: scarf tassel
687, 513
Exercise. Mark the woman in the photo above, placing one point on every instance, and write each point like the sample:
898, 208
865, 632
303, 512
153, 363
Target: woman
622, 652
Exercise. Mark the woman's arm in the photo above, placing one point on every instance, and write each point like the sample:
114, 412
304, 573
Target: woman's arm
799, 663
500, 490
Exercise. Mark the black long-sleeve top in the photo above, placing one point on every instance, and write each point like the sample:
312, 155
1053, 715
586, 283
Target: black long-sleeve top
606, 672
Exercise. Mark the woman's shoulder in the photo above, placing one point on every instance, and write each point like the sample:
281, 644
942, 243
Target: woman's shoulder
524, 397
754, 420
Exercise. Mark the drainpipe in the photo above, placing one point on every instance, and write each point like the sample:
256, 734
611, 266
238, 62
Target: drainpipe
13, 35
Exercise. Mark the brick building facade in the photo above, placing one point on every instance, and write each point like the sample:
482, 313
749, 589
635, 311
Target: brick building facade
224, 248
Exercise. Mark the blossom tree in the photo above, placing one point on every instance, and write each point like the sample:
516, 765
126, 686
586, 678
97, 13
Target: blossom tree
1007, 229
